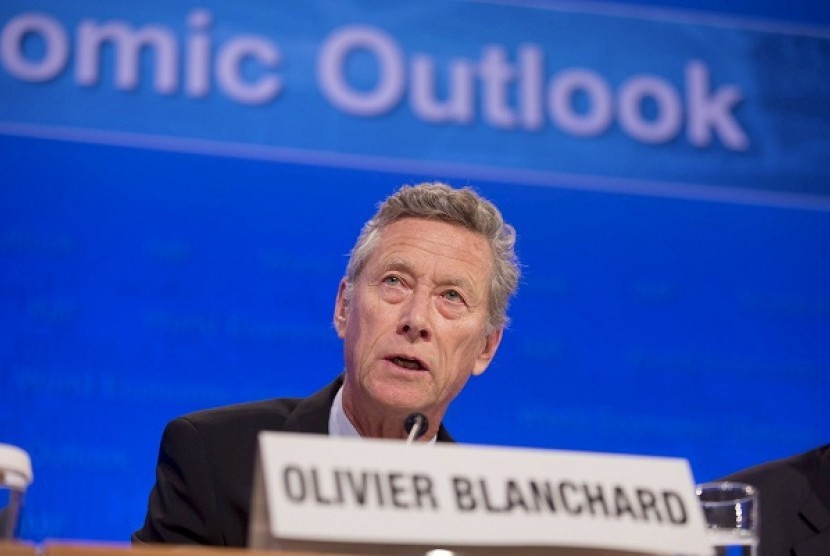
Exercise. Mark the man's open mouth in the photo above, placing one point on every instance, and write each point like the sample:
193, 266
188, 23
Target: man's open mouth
407, 363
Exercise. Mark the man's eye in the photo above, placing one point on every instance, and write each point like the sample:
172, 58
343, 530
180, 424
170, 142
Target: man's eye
453, 295
392, 280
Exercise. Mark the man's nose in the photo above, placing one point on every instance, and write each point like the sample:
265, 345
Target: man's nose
415, 324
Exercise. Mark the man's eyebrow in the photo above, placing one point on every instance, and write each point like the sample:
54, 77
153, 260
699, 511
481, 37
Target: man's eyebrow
400, 265
459, 282
396, 264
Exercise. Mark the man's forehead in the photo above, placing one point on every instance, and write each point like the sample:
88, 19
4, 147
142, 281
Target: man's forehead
428, 233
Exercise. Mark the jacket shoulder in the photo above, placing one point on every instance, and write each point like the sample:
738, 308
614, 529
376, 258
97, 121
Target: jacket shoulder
261, 415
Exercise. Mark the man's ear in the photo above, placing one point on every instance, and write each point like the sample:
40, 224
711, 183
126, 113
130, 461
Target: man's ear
488, 351
341, 309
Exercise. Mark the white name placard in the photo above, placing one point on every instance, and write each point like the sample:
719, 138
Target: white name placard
339, 492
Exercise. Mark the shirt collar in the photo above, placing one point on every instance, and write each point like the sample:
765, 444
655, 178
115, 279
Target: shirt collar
339, 424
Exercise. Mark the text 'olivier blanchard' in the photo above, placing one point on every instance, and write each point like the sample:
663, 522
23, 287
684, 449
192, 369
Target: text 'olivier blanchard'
417, 491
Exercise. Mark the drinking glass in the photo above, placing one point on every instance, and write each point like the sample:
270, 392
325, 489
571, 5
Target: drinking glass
731, 513
15, 476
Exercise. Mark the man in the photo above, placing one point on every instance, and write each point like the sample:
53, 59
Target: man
793, 502
421, 309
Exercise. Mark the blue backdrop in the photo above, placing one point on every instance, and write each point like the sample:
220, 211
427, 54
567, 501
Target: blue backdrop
180, 185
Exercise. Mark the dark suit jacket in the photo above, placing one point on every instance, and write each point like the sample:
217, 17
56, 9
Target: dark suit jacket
206, 463
794, 503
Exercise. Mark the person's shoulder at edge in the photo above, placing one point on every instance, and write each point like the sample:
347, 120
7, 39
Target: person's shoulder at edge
787, 484
794, 502
807, 462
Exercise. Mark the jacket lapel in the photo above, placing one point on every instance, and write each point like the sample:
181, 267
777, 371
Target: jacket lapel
311, 416
817, 517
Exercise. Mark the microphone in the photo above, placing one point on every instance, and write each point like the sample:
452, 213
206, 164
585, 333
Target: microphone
416, 424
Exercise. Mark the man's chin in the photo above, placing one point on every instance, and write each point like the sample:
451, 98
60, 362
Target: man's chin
397, 398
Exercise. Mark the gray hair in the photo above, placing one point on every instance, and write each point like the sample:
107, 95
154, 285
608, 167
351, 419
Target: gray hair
465, 207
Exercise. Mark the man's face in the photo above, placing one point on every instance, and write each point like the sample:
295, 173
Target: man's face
414, 329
